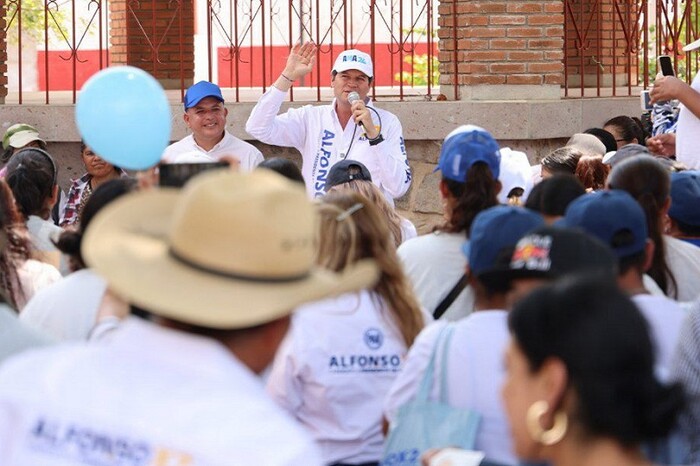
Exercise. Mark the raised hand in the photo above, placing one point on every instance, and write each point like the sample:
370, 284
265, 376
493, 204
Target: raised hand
301, 61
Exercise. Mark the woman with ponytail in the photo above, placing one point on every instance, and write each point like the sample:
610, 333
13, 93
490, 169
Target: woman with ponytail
470, 164
342, 354
676, 265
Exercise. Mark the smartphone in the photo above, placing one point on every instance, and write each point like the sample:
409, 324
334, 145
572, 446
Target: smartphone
177, 174
665, 65
644, 101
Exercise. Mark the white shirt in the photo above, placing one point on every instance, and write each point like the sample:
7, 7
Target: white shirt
334, 369
16, 337
665, 318
67, 309
684, 261
434, 263
688, 133
246, 153
152, 396
33, 275
316, 132
408, 230
43, 233
474, 377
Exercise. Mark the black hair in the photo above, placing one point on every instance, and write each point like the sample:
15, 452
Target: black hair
477, 192
562, 160
605, 137
284, 167
646, 180
629, 128
604, 341
333, 73
70, 241
687, 228
553, 195
32, 175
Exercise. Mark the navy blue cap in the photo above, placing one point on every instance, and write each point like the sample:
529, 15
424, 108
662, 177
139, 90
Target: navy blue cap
495, 231
345, 171
685, 197
202, 90
614, 217
465, 146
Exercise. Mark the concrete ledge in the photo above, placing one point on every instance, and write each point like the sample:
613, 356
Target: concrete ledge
507, 120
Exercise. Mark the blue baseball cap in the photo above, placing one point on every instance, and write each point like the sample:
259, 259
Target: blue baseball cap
465, 146
607, 215
494, 234
685, 197
202, 90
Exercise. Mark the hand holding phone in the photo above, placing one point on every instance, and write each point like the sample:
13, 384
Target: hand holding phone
665, 65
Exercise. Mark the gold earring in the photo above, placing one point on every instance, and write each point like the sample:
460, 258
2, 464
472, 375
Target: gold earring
534, 428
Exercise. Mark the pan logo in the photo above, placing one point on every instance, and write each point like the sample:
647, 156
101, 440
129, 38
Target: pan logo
373, 338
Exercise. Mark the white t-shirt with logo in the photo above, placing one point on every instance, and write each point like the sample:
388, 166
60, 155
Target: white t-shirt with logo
333, 370
149, 397
475, 374
434, 263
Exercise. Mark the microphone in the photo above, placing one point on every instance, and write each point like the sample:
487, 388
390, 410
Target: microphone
352, 98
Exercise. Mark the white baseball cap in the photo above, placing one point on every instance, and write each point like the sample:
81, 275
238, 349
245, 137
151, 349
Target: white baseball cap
692, 46
354, 60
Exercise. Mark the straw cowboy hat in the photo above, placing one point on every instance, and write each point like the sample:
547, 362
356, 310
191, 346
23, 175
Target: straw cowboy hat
227, 251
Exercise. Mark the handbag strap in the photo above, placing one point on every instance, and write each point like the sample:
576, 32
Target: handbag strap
450, 298
441, 345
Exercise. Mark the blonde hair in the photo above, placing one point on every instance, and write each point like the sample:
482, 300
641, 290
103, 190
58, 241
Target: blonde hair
374, 194
352, 228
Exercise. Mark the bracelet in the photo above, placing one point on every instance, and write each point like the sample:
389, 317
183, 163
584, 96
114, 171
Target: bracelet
285, 77
377, 140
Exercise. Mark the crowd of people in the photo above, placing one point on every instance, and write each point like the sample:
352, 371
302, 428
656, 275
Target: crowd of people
271, 314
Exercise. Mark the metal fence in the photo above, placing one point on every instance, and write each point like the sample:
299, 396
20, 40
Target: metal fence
610, 45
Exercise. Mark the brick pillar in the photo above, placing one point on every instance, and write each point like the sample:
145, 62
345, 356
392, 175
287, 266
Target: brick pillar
168, 23
505, 49
3, 54
599, 51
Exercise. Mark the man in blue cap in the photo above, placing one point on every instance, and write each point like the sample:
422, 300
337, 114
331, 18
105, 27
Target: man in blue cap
684, 212
205, 115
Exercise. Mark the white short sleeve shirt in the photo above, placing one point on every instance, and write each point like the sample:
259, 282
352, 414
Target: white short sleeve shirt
246, 153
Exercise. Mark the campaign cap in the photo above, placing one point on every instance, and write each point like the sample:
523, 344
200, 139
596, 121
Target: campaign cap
354, 59
346, 171
464, 147
614, 217
685, 197
202, 90
495, 232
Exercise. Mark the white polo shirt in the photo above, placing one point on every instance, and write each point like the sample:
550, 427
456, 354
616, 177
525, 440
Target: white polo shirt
316, 132
333, 370
475, 374
150, 397
246, 153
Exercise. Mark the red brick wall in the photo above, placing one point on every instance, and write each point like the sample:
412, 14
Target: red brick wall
501, 41
173, 56
3, 55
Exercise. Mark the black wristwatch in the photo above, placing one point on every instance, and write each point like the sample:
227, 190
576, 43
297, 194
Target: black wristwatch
377, 140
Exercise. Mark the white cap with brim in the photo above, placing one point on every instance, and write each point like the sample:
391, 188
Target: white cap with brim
228, 251
20, 135
354, 60
692, 46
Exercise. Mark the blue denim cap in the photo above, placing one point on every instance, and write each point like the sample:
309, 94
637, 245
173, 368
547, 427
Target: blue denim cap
202, 90
605, 214
685, 197
496, 231
465, 146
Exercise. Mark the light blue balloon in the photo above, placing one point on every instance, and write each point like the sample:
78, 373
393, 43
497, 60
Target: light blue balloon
123, 114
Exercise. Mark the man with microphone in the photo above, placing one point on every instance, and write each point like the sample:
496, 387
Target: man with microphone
349, 128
